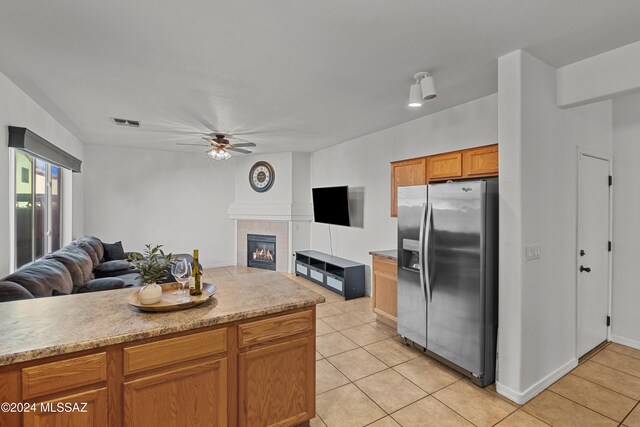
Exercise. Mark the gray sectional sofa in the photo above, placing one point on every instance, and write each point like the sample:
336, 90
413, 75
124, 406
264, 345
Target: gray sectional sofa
78, 267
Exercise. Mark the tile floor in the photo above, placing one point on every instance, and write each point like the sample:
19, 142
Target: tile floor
365, 376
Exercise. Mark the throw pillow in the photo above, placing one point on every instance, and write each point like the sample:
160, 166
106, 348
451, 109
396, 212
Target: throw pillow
10, 291
113, 251
109, 266
104, 284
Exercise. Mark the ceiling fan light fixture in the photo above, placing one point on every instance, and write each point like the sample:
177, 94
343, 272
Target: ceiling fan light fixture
219, 153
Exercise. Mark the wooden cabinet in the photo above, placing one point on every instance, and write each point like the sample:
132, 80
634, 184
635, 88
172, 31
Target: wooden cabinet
482, 161
277, 378
463, 164
86, 409
404, 173
252, 373
189, 396
445, 166
385, 288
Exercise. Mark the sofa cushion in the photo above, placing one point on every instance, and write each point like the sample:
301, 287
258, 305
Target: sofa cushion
131, 279
110, 266
103, 284
10, 291
113, 251
96, 244
82, 259
40, 278
86, 246
77, 275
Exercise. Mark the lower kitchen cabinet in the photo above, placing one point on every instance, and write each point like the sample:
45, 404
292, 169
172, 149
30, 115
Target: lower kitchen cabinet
277, 384
190, 396
385, 288
70, 411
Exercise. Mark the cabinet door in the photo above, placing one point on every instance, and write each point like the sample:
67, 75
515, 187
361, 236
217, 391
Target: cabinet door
445, 166
405, 173
277, 384
191, 396
87, 409
385, 288
482, 161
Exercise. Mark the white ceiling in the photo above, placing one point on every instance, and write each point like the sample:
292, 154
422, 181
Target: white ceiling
288, 74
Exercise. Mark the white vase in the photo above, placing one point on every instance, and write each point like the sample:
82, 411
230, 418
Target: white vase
150, 293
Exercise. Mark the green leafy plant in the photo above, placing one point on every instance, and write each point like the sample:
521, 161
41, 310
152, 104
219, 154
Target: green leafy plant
152, 263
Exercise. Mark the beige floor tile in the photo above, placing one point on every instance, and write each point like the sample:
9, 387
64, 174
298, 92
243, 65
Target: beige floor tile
385, 422
215, 272
558, 411
330, 297
322, 328
427, 373
633, 420
324, 310
521, 419
319, 356
347, 406
328, 377
366, 315
356, 364
618, 361
600, 399
610, 378
363, 303
382, 327
237, 269
390, 390
333, 343
364, 334
592, 352
623, 349
428, 412
391, 351
317, 422
474, 404
343, 321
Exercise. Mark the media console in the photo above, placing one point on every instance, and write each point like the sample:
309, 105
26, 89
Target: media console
344, 277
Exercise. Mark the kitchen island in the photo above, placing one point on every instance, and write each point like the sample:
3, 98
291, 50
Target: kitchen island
246, 358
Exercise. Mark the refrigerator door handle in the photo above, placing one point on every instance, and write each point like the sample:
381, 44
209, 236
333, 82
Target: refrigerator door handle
421, 250
425, 249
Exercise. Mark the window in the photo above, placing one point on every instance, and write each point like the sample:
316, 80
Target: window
37, 208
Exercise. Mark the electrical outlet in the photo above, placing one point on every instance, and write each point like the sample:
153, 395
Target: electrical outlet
532, 252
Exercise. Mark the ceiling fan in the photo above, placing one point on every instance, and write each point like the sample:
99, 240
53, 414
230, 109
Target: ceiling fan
220, 147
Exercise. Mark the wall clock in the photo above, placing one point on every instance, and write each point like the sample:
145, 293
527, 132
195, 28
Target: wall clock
261, 176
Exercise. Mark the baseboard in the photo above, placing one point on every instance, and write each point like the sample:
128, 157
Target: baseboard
625, 341
523, 397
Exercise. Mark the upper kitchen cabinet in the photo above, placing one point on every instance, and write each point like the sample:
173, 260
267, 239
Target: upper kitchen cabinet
404, 173
445, 166
481, 161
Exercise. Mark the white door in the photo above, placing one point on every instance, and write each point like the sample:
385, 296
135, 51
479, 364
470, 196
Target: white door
593, 252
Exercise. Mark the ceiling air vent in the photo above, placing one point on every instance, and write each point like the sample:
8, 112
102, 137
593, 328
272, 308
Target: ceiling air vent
126, 122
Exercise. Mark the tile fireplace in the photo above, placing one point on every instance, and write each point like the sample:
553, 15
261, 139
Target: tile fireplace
261, 251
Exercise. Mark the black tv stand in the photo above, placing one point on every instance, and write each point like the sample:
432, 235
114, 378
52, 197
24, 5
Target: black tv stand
344, 277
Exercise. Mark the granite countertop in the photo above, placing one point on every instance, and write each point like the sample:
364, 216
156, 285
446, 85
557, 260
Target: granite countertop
389, 254
34, 329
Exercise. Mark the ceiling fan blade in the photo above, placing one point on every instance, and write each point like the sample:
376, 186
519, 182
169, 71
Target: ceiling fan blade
241, 139
239, 150
196, 145
245, 144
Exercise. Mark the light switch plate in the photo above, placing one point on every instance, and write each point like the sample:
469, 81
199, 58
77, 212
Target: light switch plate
532, 252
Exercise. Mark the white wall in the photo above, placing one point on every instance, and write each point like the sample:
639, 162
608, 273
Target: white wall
17, 109
538, 191
179, 200
625, 315
364, 162
281, 192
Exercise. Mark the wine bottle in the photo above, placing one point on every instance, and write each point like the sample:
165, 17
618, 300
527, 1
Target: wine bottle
196, 273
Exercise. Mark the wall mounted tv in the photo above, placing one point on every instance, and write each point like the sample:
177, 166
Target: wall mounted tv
331, 205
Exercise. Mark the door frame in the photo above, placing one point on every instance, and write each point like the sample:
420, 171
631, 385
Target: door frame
602, 155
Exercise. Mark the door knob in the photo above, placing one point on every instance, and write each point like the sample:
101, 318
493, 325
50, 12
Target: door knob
585, 269
582, 252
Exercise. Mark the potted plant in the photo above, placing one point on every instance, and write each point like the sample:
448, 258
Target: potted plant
153, 264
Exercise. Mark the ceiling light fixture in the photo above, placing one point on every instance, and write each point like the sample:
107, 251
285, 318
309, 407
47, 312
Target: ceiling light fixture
219, 153
422, 90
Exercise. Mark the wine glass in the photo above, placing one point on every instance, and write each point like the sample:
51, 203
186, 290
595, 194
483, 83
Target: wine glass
181, 271
175, 275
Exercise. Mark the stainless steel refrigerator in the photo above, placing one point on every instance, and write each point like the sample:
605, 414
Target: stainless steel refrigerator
448, 273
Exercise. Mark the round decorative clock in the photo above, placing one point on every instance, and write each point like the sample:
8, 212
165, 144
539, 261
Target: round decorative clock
261, 176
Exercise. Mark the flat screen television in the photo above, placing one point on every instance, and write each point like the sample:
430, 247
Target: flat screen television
331, 205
